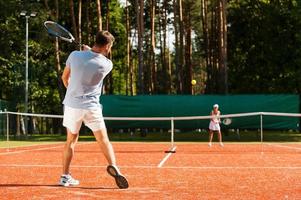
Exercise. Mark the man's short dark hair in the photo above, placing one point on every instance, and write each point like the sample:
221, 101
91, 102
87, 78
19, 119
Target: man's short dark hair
103, 38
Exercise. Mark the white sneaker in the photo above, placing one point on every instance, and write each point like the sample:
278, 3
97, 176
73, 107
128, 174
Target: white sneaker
221, 144
68, 180
209, 144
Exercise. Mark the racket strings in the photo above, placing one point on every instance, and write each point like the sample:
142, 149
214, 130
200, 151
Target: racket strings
58, 31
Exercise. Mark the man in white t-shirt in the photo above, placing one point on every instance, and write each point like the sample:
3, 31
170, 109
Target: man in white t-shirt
83, 77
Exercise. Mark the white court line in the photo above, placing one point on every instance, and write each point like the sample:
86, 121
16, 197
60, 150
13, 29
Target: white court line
85, 194
29, 145
154, 167
166, 157
284, 146
38, 149
28, 150
234, 167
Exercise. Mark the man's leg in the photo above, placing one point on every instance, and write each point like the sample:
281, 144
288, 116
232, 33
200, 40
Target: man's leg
95, 122
105, 145
66, 178
108, 151
69, 150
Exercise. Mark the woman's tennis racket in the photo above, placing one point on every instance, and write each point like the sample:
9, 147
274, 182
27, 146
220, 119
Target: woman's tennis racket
227, 121
56, 30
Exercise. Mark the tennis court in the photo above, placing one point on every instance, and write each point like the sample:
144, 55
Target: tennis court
195, 171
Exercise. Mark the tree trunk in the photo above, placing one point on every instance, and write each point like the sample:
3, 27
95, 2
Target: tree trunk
129, 74
214, 48
204, 8
176, 28
74, 27
223, 72
161, 77
211, 68
153, 47
61, 87
55, 14
88, 22
127, 26
108, 15
140, 21
80, 22
181, 48
99, 24
165, 47
188, 51
110, 77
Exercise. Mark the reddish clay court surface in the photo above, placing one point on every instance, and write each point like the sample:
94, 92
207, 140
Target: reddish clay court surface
195, 171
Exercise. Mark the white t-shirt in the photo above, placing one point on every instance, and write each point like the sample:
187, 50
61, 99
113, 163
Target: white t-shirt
88, 69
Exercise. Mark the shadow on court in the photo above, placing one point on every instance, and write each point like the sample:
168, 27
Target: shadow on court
56, 186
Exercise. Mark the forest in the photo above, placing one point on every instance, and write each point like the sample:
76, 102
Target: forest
226, 46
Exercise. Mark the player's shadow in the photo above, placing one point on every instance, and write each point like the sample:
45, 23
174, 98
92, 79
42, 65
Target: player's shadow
55, 186
93, 188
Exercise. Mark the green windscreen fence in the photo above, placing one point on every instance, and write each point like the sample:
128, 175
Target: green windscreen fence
201, 105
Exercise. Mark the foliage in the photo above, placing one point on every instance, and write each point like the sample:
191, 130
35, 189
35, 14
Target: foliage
264, 46
264, 54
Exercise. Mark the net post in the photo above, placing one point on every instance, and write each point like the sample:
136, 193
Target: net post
7, 130
299, 111
261, 132
172, 131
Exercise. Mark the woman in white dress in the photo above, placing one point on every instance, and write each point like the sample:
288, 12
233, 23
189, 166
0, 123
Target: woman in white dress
214, 125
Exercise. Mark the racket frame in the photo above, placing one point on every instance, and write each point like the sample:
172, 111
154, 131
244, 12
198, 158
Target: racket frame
55, 34
227, 121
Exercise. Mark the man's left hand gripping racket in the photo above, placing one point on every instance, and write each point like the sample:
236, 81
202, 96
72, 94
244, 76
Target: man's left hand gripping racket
56, 30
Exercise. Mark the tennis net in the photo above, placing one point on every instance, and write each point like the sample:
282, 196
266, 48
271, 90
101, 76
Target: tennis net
254, 126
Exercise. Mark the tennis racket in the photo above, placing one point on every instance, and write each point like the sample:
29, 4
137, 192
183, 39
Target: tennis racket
56, 30
227, 121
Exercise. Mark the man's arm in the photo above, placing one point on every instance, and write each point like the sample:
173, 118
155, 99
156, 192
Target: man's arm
86, 47
66, 76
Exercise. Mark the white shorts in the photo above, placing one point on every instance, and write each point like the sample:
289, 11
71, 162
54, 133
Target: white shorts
214, 126
73, 118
